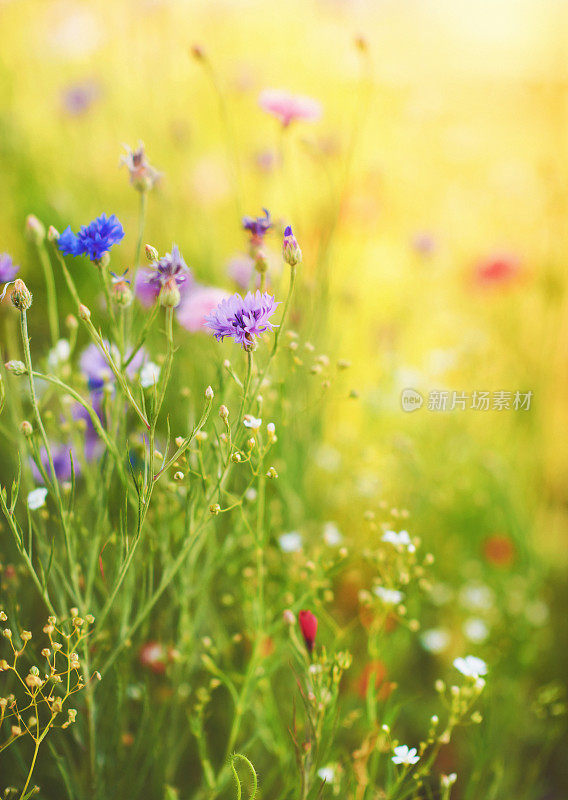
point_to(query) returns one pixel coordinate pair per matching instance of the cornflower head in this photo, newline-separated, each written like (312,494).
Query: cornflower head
(257,227)
(93,240)
(8,270)
(291,252)
(288,107)
(242,318)
(143,176)
(169,274)
(121,289)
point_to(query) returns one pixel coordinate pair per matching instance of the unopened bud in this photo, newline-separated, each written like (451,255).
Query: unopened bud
(224,413)
(52,234)
(35,229)
(26,428)
(209,393)
(151,253)
(84,313)
(170,295)
(271,473)
(215,508)
(16,367)
(71,322)
(21,295)
(291,252)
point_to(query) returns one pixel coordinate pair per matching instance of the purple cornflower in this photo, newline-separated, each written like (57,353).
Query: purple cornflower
(242,318)
(94,239)
(170,274)
(257,227)
(8,270)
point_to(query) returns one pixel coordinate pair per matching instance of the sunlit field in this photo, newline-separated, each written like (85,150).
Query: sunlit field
(283,400)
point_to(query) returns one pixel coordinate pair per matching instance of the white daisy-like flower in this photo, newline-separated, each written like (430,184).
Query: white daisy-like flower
(252,422)
(400,539)
(471,666)
(403,754)
(435,640)
(389,596)
(290,542)
(36,498)
(149,375)
(327,774)
(331,534)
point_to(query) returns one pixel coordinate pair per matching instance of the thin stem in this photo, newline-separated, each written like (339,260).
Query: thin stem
(141,222)
(52,314)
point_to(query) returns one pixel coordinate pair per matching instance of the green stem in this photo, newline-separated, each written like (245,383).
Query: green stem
(141,221)
(52,314)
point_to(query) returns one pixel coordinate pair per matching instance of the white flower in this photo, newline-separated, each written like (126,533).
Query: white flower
(435,640)
(36,498)
(331,534)
(271,429)
(327,774)
(405,755)
(475,630)
(471,666)
(252,422)
(401,539)
(290,542)
(149,375)
(389,596)
(59,353)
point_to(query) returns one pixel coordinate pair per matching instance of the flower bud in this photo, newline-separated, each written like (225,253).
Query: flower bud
(35,229)
(16,367)
(291,252)
(308,626)
(209,393)
(84,313)
(21,295)
(214,509)
(170,294)
(52,234)
(26,428)
(151,253)
(71,322)
(224,413)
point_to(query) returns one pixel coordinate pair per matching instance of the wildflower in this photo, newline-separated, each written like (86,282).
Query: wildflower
(94,239)
(288,107)
(327,774)
(121,289)
(389,596)
(21,296)
(145,291)
(142,175)
(401,539)
(405,755)
(77,98)
(170,273)
(308,626)
(291,252)
(154,656)
(331,534)
(475,630)
(62,457)
(242,318)
(197,304)
(258,227)
(252,422)
(149,375)
(435,640)
(8,270)
(36,498)
(471,666)
(290,542)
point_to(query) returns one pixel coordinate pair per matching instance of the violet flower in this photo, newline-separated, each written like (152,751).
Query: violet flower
(243,319)
(8,270)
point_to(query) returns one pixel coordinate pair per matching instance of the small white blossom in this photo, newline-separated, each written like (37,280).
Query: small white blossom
(252,422)
(389,596)
(290,542)
(36,498)
(405,755)
(331,534)
(471,666)
(401,539)
(149,375)
(59,353)
(475,630)
(435,640)
(327,774)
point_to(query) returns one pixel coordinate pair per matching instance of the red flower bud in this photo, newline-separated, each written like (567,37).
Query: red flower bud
(309,627)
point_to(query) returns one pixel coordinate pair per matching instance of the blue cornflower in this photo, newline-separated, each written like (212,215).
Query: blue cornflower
(257,226)
(94,239)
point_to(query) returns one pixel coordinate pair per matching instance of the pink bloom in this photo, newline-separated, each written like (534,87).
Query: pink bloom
(497,269)
(196,304)
(289,107)
(309,627)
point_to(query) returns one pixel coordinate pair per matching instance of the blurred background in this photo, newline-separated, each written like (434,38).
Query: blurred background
(430,201)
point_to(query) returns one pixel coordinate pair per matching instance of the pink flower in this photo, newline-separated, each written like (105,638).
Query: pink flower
(196,304)
(497,269)
(309,627)
(289,107)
